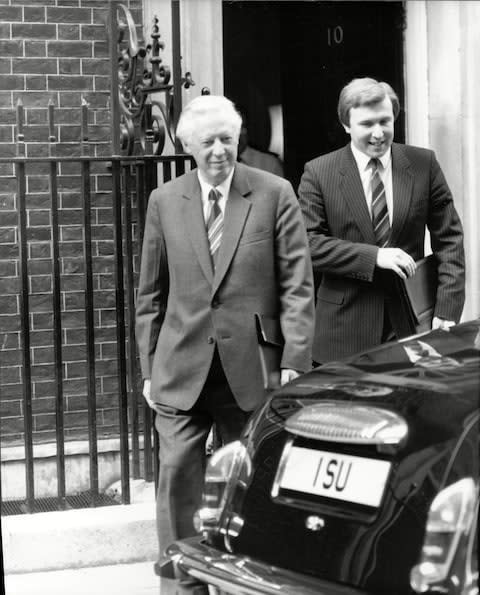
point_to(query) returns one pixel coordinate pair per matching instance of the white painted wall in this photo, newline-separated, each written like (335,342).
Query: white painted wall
(442,77)
(202,45)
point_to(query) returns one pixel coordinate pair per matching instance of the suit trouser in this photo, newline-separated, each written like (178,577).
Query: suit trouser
(182,459)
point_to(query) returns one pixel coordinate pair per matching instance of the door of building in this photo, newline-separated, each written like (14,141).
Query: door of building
(285,63)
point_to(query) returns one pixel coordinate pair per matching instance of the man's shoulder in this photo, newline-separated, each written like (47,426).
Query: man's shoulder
(327,159)
(412,151)
(176,185)
(419,159)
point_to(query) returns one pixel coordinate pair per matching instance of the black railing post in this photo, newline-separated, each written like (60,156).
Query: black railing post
(120,328)
(89,308)
(132,351)
(57,315)
(25,311)
(176,69)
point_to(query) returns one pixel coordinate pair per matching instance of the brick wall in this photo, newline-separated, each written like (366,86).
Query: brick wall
(56,51)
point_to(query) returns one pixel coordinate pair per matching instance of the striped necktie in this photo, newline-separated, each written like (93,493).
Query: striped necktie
(380,221)
(214,224)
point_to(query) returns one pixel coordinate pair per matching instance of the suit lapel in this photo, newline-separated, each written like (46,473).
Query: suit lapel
(195,224)
(352,191)
(402,183)
(236,212)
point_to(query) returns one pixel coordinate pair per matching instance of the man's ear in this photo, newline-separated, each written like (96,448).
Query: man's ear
(186,147)
(347,128)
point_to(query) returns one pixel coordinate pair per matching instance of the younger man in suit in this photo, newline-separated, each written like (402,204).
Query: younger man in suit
(221,243)
(366,207)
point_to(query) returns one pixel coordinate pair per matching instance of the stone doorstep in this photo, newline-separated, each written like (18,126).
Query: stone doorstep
(79,538)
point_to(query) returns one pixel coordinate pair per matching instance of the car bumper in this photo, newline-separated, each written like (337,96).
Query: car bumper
(239,575)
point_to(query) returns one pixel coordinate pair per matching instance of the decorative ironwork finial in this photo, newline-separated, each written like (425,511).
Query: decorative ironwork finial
(142,79)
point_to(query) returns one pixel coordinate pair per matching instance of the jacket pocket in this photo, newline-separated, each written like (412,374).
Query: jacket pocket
(258,236)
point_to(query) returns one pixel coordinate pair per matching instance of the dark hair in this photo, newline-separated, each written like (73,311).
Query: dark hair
(364,91)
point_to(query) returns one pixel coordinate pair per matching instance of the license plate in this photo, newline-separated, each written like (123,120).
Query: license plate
(338,476)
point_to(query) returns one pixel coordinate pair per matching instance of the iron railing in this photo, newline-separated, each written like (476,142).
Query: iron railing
(131,180)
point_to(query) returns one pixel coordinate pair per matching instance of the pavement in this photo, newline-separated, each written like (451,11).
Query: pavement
(118,579)
(108,550)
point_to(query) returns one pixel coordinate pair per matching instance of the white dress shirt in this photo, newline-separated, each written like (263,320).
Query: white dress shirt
(385,172)
(223,188)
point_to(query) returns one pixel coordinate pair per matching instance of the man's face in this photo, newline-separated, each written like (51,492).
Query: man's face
(371,128)
(214,145)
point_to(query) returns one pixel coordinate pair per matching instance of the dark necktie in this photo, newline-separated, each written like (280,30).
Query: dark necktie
(381,224)
(214,224)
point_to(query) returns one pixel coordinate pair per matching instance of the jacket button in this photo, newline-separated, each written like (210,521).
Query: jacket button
(211,340)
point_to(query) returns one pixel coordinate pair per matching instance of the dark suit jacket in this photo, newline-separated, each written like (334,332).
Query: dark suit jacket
(263,266)
(351,296)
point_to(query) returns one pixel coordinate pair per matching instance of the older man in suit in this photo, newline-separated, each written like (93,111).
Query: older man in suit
(366,207)
(221,243)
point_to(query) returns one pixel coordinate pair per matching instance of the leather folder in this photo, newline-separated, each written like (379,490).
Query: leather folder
(270,348)
(414,309)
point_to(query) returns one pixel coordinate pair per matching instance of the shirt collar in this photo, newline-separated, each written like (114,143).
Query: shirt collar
(223,188)
(363,160)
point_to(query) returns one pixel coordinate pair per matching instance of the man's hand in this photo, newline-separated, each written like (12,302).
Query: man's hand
(397,260)
(146,392)
(286,375)
(440,323)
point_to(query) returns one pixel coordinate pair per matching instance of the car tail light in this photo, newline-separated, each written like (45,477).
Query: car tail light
(228,467)
(346,422)
(450,521)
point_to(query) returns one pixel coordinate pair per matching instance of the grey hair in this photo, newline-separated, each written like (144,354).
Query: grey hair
(364,91)
(205,104)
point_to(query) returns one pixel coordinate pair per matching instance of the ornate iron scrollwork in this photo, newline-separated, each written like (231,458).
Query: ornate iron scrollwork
(145,93)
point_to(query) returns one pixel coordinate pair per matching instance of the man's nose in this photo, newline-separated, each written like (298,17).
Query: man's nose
(377,131)
(218,147)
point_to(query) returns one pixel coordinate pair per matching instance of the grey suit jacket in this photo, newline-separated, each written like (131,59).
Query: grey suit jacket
(184,309)
(351,296)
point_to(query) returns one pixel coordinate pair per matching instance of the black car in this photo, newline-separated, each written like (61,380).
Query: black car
(361,476)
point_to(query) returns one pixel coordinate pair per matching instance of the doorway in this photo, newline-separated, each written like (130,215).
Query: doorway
(285,63)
